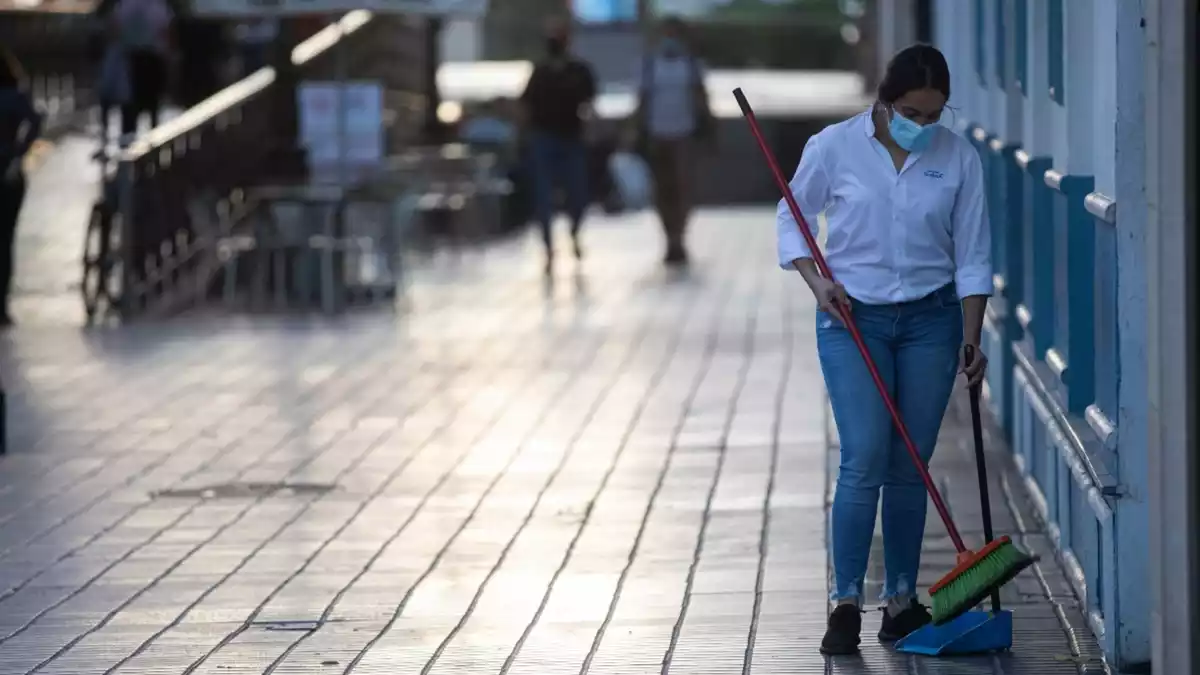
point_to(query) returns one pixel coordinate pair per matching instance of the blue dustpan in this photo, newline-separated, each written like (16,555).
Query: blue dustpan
(975,632)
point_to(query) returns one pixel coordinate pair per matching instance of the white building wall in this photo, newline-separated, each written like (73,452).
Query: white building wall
(896,28)
(462,40)
(983,110)
(1079,135)
(1103,78)
(1075,133)
(1100,131)
(1129,191)
(1171,339)
(1038,117)
(1013,103)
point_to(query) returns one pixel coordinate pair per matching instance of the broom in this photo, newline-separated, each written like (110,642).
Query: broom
(977,574)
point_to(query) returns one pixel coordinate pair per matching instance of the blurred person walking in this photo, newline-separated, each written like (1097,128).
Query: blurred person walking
(20,126)
(143,31)
(671,125)
(556,103)
(112,80)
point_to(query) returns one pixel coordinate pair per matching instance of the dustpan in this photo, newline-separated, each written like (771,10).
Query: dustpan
(977,631)
(974,632)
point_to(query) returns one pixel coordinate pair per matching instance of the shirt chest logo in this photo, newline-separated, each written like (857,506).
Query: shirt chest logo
(937,175)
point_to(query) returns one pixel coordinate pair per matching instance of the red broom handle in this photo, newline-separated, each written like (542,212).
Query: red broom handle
(819,259)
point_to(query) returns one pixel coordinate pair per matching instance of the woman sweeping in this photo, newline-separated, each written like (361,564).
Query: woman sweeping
(909,243)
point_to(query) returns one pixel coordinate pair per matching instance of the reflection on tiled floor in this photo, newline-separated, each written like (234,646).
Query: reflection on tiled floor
(622,472)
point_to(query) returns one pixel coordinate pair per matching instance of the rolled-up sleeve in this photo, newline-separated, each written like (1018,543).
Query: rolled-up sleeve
(972,233)
(810,187)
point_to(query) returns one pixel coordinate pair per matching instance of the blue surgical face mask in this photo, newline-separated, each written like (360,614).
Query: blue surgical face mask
(908,134)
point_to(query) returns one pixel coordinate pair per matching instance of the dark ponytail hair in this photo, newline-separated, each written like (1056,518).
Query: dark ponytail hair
(919,66)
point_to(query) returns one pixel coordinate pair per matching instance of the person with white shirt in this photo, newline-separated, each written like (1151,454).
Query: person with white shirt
(909,245)
(672,119)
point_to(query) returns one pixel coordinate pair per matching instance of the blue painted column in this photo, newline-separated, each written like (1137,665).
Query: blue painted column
(1004,184)
(1036,312)
(1008,229)
(1072,356)
(1131,633)
(998,318)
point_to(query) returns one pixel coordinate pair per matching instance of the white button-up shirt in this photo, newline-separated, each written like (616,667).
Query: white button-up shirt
(893,236)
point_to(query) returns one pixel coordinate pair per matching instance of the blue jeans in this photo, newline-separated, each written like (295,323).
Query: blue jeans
(558,161)
(915,346)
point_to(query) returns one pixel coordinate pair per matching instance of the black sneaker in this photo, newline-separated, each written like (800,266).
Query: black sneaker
(676,256)
(913,617)
(841,637)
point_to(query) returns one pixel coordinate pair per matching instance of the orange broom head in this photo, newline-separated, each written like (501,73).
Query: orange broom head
(966,560)
(976,576)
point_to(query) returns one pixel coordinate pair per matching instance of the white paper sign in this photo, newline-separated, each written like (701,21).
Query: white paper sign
(355,137)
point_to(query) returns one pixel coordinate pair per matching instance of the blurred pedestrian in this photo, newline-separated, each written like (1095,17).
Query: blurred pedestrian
(672,124)
(556,103)
(112,80)
(143,31)
(20,125)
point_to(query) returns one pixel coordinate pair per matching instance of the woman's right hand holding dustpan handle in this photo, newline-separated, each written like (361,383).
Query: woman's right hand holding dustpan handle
(972,363)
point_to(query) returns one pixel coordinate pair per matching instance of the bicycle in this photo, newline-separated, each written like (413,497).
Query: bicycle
(102,264)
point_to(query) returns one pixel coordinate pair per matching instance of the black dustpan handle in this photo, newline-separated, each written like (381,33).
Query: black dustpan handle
(981,463)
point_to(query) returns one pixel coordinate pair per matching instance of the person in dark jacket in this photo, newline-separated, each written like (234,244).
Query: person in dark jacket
(20,125)
(144,30)
(112,77)
(555,105)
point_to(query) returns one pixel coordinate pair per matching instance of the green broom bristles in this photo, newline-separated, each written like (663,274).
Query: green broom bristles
(975,579)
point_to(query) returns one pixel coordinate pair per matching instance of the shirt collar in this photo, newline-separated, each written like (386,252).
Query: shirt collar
(869,121)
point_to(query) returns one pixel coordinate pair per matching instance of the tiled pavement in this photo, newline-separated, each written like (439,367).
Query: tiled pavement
(622,472)
(63,185)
